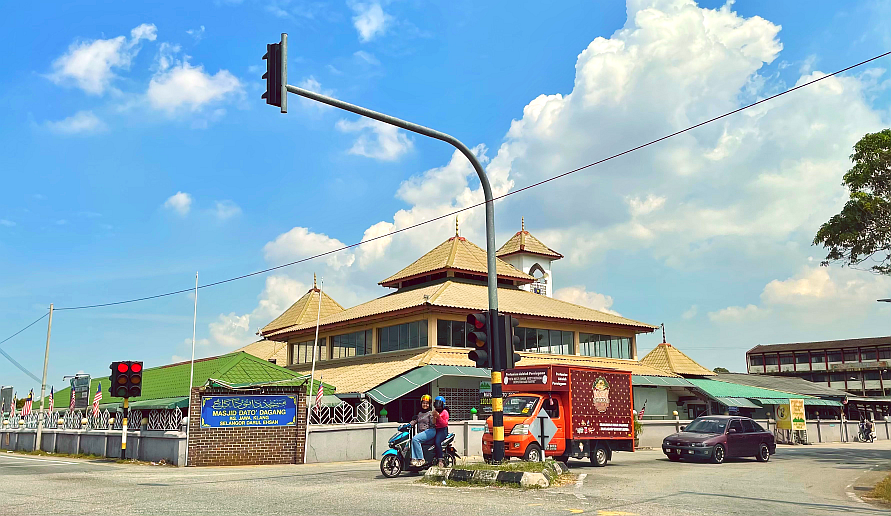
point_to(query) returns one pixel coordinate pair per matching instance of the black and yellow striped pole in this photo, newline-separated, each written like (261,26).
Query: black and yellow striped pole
(124,428)
(497,393)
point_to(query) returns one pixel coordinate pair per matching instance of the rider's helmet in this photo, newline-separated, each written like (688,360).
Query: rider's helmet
(426,398)
(439,403)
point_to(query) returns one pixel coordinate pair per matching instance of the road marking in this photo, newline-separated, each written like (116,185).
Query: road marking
(575,511)
(578,485)
(36,460)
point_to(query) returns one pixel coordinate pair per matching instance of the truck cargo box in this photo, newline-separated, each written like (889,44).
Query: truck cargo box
(599,401)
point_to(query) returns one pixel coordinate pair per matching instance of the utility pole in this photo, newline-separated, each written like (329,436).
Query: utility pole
(277,80)
(40,416)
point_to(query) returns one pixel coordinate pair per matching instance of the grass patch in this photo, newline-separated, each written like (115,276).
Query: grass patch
(882,491)
(526,467)
(42,453)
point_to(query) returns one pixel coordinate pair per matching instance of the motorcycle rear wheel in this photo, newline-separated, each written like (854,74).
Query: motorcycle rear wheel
(391,465)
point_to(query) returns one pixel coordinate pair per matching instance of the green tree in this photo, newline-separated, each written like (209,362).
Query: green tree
(862,231)
(721,370)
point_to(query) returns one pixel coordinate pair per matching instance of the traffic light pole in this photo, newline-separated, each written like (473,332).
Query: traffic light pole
(497,363)
(125,415)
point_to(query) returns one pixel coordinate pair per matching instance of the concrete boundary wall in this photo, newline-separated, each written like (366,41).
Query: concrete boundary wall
(145,445)
(337,443)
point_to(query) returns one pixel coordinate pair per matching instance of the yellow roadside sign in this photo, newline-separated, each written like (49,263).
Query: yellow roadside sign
(784,421)
(796,413)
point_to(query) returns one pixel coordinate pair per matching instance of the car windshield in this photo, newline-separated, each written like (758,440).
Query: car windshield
(520,405)
(706,426)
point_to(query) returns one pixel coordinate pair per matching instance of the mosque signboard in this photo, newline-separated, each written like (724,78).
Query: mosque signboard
(248,411)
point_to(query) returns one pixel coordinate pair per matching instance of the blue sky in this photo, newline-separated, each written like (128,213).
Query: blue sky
(136,151)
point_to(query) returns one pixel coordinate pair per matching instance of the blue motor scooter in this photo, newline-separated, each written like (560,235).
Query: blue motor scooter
(398,457)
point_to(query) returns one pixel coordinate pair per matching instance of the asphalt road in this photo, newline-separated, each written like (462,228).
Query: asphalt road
(802,480)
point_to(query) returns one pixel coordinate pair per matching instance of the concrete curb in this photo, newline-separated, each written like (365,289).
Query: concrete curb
(492,476)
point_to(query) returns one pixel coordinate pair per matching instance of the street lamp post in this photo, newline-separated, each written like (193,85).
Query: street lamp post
(497,359)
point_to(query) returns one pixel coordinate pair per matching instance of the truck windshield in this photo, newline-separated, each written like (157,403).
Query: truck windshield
(520,405)
(706,426)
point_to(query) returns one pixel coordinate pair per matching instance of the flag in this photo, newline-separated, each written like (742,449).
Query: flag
(642,409)
(71,405)
(51,403)
(27,408)
(96,399)
(15,402)
(319,395)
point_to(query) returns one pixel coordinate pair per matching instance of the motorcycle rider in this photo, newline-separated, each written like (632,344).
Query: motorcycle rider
(865,430)
(426,431)
(441,423)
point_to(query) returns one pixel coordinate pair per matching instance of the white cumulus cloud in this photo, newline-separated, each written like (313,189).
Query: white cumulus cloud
(180,203)
(370,20)
(376,140)
(225,210)
(301,242)
(82,122)
(183,86)
(89,64)
(578,295)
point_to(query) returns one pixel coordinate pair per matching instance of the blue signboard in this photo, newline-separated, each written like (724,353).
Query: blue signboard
(241,411)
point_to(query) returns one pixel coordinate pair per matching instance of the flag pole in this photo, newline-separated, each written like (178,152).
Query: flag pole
(49,329)
(312,373)
(192,366)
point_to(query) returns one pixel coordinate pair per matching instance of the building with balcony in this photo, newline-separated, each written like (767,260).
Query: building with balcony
(860,367)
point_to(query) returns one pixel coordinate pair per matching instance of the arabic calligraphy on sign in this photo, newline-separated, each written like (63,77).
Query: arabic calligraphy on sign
(244,411)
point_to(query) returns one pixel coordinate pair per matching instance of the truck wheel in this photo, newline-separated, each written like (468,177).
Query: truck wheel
(600,456)
(533,453)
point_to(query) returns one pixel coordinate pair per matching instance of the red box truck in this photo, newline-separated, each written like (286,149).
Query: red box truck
(590,408)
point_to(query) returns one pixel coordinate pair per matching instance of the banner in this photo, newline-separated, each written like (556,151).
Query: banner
(796,412)
(784,421)
(243,411)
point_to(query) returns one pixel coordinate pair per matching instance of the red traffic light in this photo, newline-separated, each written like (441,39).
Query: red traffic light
(136,367)
(122,367)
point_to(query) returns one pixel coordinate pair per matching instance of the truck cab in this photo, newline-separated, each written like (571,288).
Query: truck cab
(589,408)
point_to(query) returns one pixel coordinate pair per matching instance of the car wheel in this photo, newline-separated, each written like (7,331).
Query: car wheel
(600,456)
(763,453)
(718,454)
(533,453)
(391,465)
(674,457)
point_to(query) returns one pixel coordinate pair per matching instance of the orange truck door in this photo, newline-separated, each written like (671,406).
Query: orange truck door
(554,410)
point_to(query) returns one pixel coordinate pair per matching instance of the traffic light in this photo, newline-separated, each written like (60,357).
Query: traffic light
(478,338)
(510,342)
(276,75)
(126,379)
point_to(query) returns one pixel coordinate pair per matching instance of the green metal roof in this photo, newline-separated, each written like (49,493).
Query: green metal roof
(719,389)
(172,381)
(405,383)
(807,401)
(660,381)
(737,402)
(160,403)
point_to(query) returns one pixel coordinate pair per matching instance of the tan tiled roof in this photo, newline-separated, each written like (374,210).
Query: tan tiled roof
(670,358)
(267,349)
(361,374)
(471,296)
(304,310)
(458,254)
(524,242)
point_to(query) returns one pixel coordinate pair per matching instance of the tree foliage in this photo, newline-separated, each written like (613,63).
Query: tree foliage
(862,231)
(721,370)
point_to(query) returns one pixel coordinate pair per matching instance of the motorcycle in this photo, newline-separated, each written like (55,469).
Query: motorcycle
(398,457)
(867,433)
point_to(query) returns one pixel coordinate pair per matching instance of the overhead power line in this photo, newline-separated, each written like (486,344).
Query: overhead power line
(14,362)
(460,210)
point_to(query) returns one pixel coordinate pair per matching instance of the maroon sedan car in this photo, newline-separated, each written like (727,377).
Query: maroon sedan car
(716,438)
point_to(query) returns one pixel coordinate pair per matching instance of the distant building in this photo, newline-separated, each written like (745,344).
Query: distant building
(858,366)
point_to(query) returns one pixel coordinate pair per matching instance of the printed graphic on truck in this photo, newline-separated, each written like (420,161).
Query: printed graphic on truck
(601,404)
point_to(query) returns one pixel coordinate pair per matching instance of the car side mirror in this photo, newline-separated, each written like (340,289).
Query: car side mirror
(683,427)
(732,431)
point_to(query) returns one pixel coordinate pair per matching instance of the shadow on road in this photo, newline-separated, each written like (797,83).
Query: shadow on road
(843,454)
(838,509)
